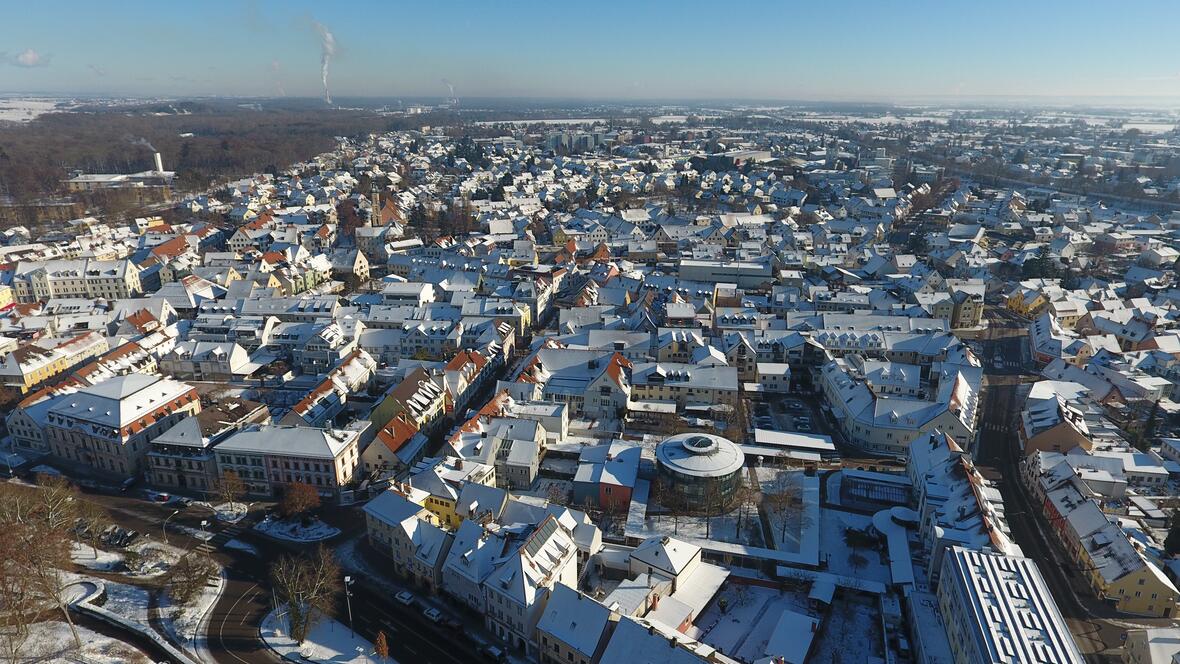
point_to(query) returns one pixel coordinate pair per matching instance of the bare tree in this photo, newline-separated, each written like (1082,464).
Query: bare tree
(712,506)
(785,497)
(746,497)
(306,586)
(555,494)
(92,521)
(188,576)
(299,498)
(230,487)
(17,595)
(38,524)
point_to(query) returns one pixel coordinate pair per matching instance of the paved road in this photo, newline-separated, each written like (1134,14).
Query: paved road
(1096,627)
(233,623)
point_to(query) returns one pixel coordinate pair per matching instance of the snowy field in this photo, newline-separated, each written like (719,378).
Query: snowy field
(329,641)
(24,110)
(130,602)
(295,530)
(744,629)
(51,642)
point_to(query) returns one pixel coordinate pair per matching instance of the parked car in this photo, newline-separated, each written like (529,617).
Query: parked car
(795,405)
(764,423)
(405,597)
(492,653)
(804,427)
(433,615)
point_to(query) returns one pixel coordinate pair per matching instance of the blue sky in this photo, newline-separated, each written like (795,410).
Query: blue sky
(637,49)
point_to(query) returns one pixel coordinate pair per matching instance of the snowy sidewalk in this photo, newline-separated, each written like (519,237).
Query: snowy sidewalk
(329,641)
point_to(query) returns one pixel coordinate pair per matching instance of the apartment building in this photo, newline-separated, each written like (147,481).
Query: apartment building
(410,537)
(41,280)
(108,427)
(516,593)
(998,608)
(35,363)
(268,457)
(183,458)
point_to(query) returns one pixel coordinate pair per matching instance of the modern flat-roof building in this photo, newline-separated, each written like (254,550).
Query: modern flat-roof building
(997,608)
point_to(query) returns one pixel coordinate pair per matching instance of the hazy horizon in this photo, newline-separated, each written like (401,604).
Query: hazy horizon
(856,51)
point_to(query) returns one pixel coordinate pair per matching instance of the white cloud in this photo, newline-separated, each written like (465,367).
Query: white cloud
(29,58)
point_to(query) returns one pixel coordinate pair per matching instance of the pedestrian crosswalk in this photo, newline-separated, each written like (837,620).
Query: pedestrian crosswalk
(994,426)
(224,535)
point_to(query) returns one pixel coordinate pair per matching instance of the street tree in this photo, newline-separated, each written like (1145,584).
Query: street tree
(299,498)
(305,585)
(381,646)
(188,576)
(230,487)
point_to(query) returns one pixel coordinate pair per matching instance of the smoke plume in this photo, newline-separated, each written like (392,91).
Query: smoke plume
(274,69)
(327,50)
(449,87)
(141,141)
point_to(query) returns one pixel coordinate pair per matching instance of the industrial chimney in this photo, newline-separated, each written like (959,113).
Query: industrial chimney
(159,162)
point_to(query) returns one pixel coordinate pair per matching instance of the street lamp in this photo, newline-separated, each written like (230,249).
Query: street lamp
(348,602)
(164,527)
(204,522)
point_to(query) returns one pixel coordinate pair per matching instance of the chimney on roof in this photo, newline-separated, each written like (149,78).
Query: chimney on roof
(159,162)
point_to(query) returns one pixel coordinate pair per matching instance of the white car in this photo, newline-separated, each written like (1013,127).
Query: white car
(433,615)
(405,597)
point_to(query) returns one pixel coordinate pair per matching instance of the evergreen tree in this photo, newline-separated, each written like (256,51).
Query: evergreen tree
(1172,543)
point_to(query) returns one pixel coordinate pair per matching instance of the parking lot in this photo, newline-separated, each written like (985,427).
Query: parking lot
(787,413)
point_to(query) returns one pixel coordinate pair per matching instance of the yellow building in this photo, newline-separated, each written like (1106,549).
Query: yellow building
(1143,590)
(1026,301)
(31,365)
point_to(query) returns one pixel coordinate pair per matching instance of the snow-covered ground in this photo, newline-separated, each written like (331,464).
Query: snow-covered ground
(155,558)
(87,556)
(720,528)
(845,560)
(52,642)
(296,531)
(130,602)
(24,110)
(329,641)
(752,612)
(182,622)
(852,633)
(227,512)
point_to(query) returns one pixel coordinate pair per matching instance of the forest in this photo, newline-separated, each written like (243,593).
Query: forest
(202,141)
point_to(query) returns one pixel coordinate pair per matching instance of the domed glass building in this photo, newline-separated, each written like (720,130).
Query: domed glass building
(699,472)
